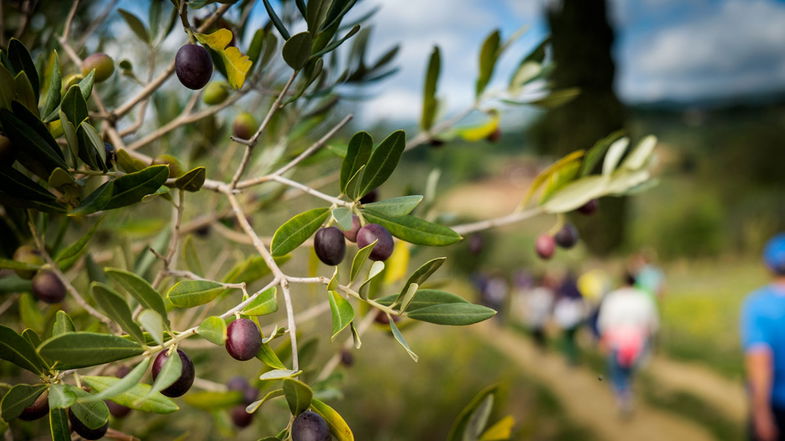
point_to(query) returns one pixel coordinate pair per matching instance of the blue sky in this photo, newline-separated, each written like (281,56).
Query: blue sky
(665,49)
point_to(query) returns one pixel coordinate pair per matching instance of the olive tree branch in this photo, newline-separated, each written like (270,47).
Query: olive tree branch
(95,24)
(251,143)
(185,118)
(279,277)
(8,302)
(305,154)
(70,19)
(310,191)
(170,259)
(346,289)
(425,136)
(511,218)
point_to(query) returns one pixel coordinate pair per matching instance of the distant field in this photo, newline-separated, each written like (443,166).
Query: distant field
(701,311)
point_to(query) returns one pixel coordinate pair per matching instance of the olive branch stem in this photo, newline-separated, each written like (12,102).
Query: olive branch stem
(251,142)
(514,217)
(302,156)
(332,363)
(170,259)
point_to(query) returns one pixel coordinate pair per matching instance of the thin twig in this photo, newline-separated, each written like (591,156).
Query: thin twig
(95,24)
(280,277)
(185,118)
(251,143)
(170,260)
(497,222)
(310,191)
(305,154)
(426,136)
(70,19)
(332,363)
(8,302)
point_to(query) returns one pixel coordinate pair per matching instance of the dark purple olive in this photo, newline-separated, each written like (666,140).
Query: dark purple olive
(203,231)
(309,426)
(330,245)
(545,246)
(48,288)
(193,66)
(589,208)
(39,408)
(240,417)
(375,232)
(476,243)
(182,384)
(567,237)
(382,318)
(117,410)
(240,384)
(122,371)
(371,196)
(7,152)
(351,235)
(111,154)
(495,136)
(347,358)
(243,339)
(84,431)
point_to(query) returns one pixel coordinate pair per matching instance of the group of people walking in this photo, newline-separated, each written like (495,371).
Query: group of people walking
(621,321)
(624,322)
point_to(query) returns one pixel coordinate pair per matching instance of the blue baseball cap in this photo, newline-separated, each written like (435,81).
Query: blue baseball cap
(774,254)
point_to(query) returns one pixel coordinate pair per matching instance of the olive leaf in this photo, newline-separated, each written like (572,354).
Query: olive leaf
(430,103)
(297,50)
(236,64)
(137,397)
(83,349)
(297,230)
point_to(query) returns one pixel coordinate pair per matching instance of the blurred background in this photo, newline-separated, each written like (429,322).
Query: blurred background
(707,77)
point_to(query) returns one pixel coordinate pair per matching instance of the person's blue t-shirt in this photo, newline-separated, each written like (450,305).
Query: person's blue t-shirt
(763,326)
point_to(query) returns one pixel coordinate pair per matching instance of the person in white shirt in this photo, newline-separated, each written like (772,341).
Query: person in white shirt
(627,320)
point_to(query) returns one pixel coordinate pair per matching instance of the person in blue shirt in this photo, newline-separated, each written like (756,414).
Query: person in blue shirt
(763,340)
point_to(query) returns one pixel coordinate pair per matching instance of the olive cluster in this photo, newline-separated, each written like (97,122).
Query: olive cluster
(566,238)
(239,416)
(40,408)
(330,242)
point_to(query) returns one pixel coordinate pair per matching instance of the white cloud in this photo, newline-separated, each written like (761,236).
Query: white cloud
(736,47)
(458,27)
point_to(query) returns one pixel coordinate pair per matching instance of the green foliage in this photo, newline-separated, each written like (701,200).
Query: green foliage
(82,349)
(125,283)
(137,397)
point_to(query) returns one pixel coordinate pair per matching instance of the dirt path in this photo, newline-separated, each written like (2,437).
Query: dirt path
(725,395)
(586,399)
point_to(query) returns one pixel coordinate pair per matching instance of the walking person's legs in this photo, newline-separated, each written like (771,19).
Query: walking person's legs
(621,380)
